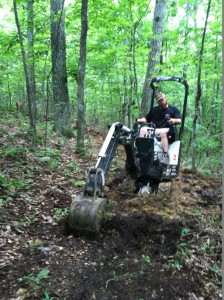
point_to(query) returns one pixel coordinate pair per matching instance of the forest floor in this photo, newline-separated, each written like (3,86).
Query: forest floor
(149,247)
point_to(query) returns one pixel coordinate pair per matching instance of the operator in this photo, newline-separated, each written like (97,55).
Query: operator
(163,116)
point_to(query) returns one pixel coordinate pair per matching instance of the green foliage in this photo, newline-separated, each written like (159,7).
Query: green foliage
(74,167)
(14,153)
(173,264)
(209,148)
(50,152)
(114,168)
(146,260)
(53,164)
(51,158)
(35,243)
(25,221)
(60,214)
(214,268)
(44,273)
(47,296)
(12,184)
(185,230)
(195,213)
(36,281)
(79,183)
(108,215)
(117,56)
(3,181)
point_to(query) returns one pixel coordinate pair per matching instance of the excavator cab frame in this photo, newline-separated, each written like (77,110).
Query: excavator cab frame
(153,85)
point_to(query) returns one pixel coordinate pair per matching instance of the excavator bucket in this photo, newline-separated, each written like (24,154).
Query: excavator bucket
(85,214)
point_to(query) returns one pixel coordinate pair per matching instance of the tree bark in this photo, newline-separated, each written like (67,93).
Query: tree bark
(198,94)
(62,109)
(154,54)
(30,60)
(81,123)
(30,100)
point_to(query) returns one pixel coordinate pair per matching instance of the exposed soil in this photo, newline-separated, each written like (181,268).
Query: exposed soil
(164,246)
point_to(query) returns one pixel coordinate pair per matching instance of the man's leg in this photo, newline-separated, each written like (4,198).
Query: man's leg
(143,132)
(164,141)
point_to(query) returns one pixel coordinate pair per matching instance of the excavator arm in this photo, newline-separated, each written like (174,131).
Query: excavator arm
(86,210)
(96,176)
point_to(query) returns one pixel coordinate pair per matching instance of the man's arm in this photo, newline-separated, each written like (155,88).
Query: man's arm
(140,120)
(174,121)
(177,117)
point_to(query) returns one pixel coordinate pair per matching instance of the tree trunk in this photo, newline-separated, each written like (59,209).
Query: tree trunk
(130,95)
(154,54)
(30,58)
(81,124)
(30,101)
(10,96)
(62,109)
(198,94)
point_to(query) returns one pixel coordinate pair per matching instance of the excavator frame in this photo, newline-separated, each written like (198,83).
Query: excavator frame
(143,154)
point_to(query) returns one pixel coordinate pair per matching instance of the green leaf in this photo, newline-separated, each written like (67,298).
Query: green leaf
(44,159)
(43,273)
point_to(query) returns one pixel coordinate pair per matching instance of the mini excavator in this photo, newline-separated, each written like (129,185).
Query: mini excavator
(143,152)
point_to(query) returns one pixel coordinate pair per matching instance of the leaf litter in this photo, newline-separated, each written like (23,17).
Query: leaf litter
(164,246)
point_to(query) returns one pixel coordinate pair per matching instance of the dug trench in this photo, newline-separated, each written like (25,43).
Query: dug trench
(163,246)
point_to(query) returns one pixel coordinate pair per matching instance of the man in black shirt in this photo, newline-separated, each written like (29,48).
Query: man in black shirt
(163,116)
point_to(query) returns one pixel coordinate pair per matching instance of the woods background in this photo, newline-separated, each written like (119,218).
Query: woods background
(91,62)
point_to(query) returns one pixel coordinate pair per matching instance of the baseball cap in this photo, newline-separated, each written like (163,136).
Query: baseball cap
(159,96)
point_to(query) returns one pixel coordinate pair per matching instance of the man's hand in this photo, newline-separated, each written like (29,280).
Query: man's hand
(171,121)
